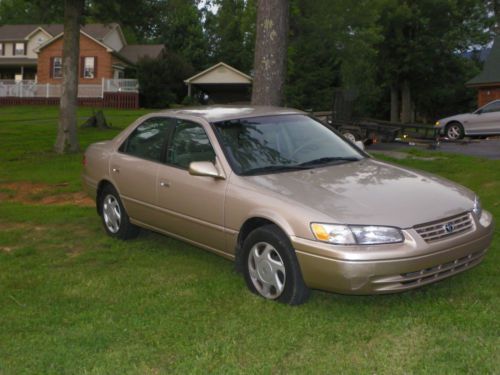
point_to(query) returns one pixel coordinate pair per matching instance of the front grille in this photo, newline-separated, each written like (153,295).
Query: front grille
(441,271)
(445,228)
(414,279)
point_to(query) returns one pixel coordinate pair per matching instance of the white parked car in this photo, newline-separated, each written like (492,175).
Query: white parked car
(484,121)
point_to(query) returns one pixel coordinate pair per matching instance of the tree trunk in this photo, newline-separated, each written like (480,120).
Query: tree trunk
(270,52)
(394,103)
(406,103)
(67,138)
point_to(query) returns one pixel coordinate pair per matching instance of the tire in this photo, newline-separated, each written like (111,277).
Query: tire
(115,219)
(271,268)
(351,136)
(454,131)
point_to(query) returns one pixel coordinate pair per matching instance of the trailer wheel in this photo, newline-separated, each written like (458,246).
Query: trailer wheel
(350,136)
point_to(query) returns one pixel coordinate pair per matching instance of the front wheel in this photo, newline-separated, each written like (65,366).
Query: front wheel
(454,131)
(271,268)
(114,217)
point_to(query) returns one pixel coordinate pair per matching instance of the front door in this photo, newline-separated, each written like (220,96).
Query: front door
(193,206)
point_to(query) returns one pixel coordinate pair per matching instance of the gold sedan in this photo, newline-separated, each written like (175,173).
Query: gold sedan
(292,202)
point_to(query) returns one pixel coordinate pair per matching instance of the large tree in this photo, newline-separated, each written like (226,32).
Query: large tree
(270,52)
(331,46)
(67,138)
(422,42)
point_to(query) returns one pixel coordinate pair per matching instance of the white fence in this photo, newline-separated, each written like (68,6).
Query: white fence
(32,89)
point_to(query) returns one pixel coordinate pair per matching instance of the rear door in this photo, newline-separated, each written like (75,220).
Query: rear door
(134,167)
(192,206)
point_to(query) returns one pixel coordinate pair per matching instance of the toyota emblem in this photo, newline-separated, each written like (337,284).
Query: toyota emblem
(449,228)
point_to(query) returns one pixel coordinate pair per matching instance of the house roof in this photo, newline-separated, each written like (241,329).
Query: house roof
(17,61)
(220,73)
(50,41)
(135,52)
(21,32)
(491,68)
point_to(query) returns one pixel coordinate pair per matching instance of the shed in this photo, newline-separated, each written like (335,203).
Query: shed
(222,83)
(488,81)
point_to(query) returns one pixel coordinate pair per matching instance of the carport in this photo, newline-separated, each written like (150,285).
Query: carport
(222,83)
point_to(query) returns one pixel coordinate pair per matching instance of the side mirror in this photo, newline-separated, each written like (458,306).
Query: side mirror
(360,145)
(204,168)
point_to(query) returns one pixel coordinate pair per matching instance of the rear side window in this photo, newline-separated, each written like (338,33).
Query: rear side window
(189,143)
(148,139)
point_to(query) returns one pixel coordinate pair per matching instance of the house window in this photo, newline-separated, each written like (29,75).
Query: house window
(57,67)
(19,49)
(89,67)
(1,50)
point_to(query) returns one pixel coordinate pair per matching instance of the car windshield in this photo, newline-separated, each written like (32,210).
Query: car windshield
(279,143)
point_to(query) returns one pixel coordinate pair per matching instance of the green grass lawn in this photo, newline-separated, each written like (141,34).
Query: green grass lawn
(73,300)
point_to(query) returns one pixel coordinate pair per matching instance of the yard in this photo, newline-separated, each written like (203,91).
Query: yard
(73,300)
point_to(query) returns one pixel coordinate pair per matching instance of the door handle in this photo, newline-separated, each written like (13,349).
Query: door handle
(164,184)
(116,170)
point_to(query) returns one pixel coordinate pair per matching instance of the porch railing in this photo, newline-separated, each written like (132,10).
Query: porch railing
(32,89)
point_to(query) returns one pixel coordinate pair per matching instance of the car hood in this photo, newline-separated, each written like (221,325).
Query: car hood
(369,192)
(460,118)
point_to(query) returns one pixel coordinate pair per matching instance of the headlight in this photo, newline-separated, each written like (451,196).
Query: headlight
(477,209)
(356,234)
(437,123)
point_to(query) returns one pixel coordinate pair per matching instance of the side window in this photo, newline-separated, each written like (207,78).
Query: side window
(189,143)
(493,107)
(148,139)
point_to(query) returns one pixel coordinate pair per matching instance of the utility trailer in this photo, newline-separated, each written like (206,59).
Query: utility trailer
(374,131)
(370,130)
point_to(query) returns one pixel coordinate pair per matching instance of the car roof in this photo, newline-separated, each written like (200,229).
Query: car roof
(230,112)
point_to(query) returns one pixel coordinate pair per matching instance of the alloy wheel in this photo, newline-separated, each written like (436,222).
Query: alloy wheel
(267,270)
(111,213)
(454,132)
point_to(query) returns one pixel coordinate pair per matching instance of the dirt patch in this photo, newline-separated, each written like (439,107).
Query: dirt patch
(45,194)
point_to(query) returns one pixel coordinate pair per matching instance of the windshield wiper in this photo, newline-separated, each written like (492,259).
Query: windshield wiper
(328,160)
(296,167)
(273,168)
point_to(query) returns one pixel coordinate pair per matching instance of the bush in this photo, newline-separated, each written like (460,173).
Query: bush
(161,80)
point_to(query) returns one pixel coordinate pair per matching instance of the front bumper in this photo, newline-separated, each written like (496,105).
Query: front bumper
(389,268)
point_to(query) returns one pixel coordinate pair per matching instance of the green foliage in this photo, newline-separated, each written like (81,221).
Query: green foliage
(161,80)
(331,45)
(364,46)
(189,100)
(181,30)
(139,18)
(231,33)
(422,42)
(31,11)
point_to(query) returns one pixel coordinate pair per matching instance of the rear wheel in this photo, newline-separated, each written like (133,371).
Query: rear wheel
(454,131)
(271,268)
(114,216)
